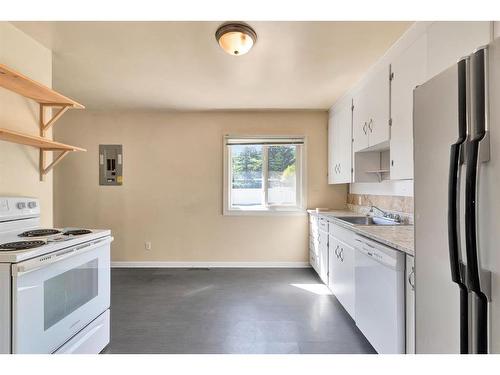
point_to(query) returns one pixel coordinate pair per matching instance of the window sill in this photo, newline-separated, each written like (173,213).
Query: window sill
(265,212)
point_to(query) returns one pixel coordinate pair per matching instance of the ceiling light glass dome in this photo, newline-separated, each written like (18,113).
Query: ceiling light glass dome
(236,38)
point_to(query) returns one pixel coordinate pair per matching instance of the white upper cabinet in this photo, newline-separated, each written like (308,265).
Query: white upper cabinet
(376,91)
(371,111)
(345,146)
(409,70)
(340,143)
(371,125)
(447,42)
(359,121)
(382,118)
(332,149)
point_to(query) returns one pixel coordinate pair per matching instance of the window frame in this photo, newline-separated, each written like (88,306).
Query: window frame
(266,209)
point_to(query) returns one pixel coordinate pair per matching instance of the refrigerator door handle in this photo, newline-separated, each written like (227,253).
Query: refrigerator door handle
(478,133)
(454,205)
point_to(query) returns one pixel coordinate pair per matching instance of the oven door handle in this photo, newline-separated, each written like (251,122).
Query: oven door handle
(30,265)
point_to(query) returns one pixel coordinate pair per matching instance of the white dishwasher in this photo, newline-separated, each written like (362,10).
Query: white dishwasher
(380,295)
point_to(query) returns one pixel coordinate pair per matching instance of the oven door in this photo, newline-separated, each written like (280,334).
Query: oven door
(56,295)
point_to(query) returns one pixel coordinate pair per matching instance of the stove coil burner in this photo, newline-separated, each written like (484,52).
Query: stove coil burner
(77,232)
(39,233)
(21,245)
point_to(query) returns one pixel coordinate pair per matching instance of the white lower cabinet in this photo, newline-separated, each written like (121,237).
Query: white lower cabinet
(323,256)
(314,242)
(410,304)
(333,253)
(313,261)
(314,252)
(341,273)
(318,246)
(333,263)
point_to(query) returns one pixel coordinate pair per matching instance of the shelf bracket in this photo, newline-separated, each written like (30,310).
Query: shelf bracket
(46,126)
(45,170)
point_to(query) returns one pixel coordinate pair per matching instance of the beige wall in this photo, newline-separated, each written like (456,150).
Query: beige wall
(19,164)
(172,192)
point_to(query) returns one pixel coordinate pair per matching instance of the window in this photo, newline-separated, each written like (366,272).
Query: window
(263,174)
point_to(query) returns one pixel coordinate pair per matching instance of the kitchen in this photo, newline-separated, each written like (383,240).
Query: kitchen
(167,189)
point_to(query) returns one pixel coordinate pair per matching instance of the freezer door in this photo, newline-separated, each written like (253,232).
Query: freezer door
(477,138)
(488,198)
(436,295)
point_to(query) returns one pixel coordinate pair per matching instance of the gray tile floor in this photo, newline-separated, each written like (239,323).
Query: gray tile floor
(227,311)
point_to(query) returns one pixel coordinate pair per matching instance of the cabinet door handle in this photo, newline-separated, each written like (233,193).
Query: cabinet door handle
(370,125)
(336,168)
(336,249)
(412,283)
(341,254)
(364,127)
(339,168)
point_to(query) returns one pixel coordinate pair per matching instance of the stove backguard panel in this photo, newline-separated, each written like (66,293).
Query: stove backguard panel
(110,165)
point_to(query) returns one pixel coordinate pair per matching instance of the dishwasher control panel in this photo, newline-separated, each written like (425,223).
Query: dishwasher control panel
(110,165)
(380,253)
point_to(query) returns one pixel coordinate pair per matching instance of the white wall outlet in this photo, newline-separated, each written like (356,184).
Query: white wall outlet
(147,245)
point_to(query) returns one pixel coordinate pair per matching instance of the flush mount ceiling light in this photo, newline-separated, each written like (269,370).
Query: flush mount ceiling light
(236,38)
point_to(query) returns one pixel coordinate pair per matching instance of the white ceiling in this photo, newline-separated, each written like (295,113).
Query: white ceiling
(179,65)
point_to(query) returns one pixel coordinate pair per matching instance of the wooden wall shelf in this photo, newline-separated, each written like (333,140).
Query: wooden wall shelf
(34,141)
(18,83)
(45,97)
(41,143)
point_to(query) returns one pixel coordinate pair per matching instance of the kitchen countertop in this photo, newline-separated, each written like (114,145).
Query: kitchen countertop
(399,237)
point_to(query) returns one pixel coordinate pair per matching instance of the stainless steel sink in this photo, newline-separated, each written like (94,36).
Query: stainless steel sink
(368,220)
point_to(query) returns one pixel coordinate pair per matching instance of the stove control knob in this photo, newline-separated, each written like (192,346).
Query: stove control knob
(32,204)
(21,205)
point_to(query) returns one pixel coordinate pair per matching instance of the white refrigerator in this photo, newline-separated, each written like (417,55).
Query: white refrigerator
(457,207)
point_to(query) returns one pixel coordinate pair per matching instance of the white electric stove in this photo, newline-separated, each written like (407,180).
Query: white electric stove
(54,283)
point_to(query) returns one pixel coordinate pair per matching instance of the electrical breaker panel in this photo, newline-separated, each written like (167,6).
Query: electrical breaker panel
(110,165)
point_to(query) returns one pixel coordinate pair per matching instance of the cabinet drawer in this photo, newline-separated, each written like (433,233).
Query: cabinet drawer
(341,233)
(323,224)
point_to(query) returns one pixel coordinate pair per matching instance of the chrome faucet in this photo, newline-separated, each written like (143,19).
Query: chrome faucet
(386,214)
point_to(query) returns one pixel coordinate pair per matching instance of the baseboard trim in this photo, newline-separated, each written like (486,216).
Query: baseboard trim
(121,264)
